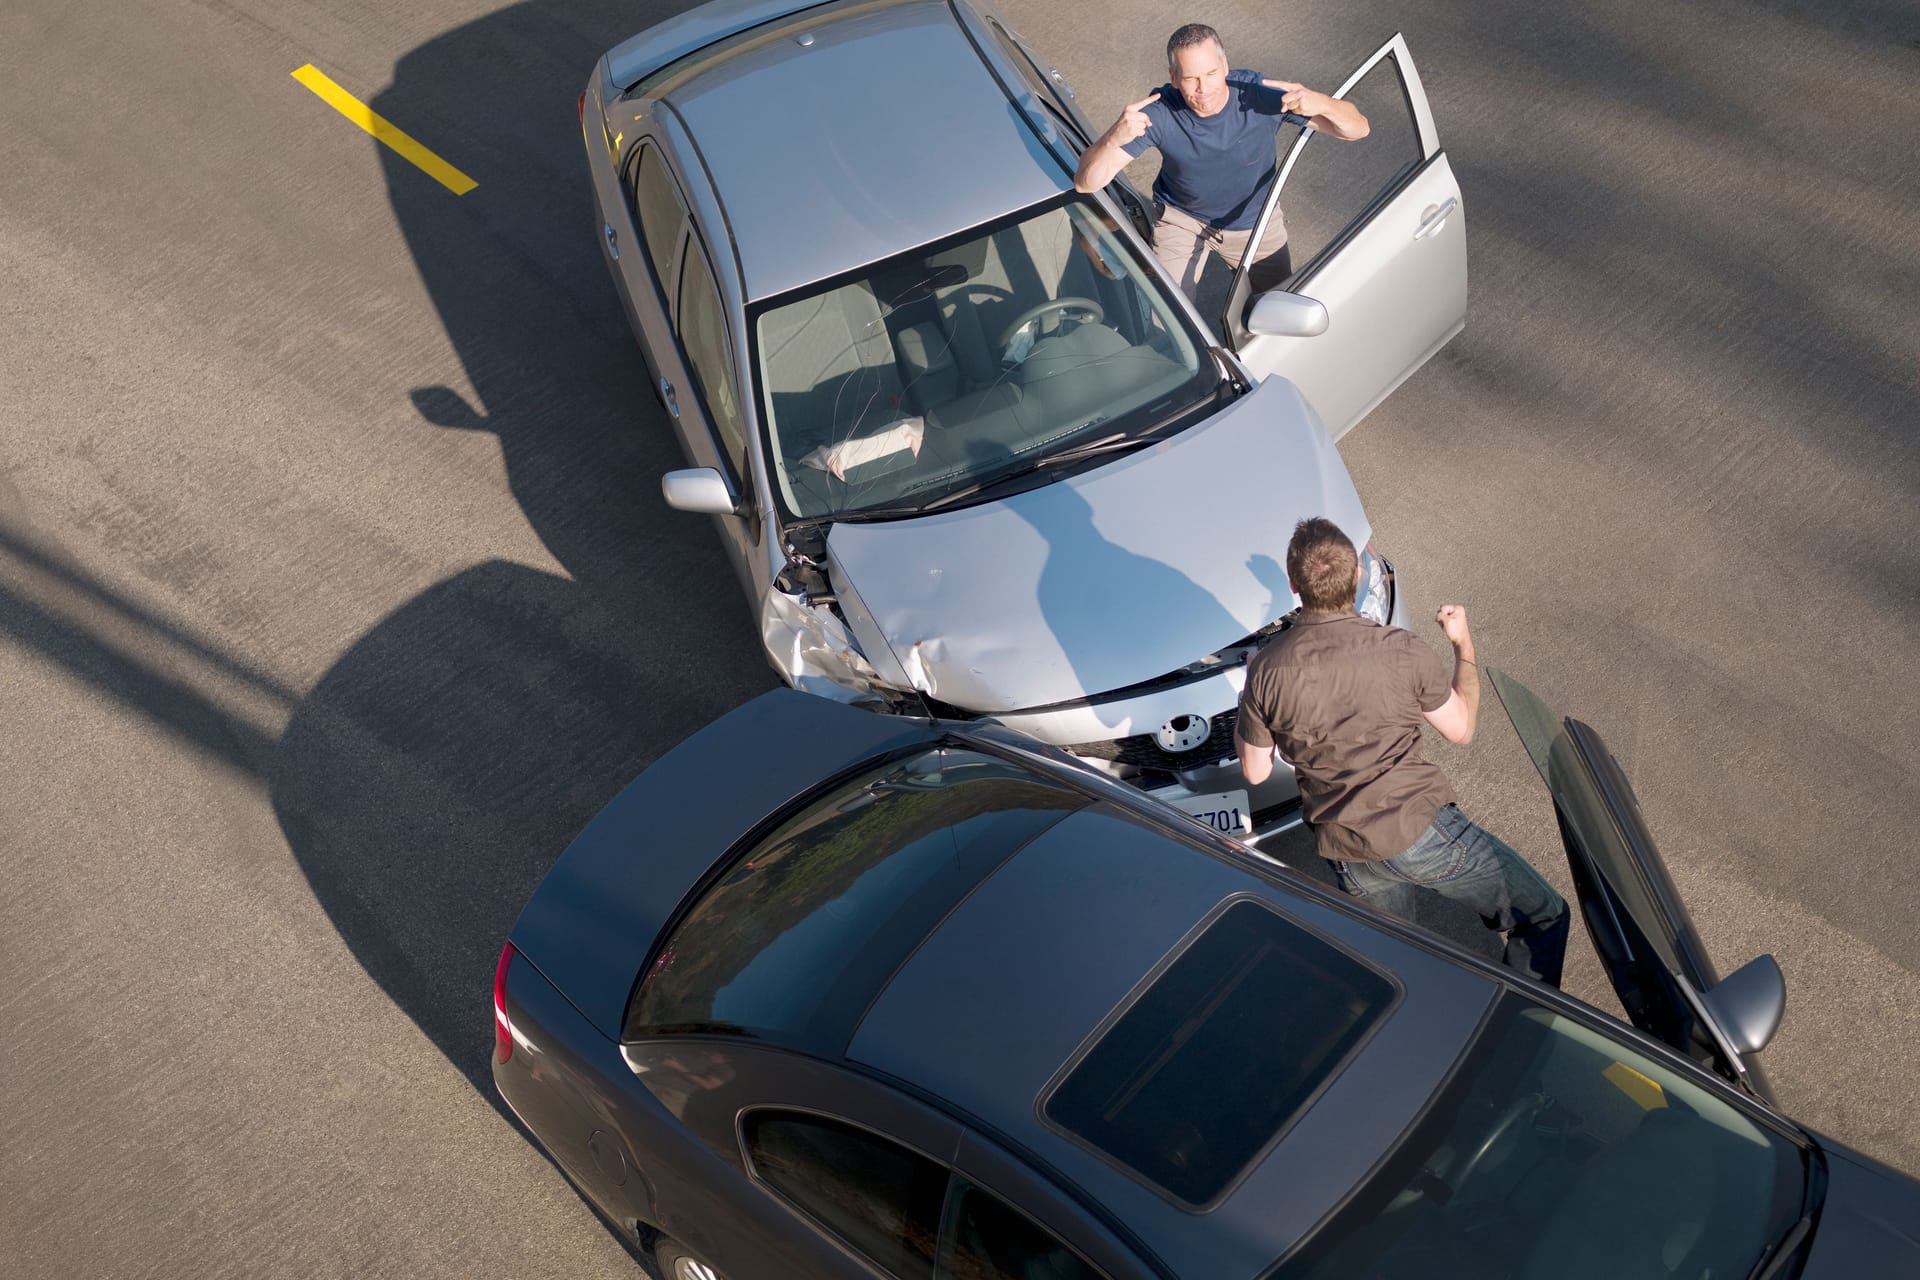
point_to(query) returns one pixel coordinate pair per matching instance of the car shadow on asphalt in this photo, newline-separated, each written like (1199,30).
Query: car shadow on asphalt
(432,775)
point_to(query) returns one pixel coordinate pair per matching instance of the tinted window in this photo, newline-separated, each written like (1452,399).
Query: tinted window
(985,1240)
(881,1200)
(801,933)
(656,203)
(704,335)
(1594,1161)
(1220,1053)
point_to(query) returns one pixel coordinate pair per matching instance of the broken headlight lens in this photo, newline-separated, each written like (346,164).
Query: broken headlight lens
(1374,599)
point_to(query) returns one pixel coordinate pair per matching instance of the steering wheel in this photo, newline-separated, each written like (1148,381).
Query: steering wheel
(1027,317)
(1510,1124)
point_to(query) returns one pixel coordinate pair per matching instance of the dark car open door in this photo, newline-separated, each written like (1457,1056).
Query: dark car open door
(1658,964)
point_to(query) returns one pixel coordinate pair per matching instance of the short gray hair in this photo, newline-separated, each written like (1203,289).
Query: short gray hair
(1192,34)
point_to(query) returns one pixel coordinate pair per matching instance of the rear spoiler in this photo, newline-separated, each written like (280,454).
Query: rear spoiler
(634,59)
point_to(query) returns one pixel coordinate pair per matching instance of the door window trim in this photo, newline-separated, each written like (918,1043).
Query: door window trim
(1413,97)
(659,272)
(736,472)
(827,1119)
(958,1183)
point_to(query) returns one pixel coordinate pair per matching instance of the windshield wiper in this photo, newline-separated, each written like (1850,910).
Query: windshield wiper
(1117,443)
(1773,1262)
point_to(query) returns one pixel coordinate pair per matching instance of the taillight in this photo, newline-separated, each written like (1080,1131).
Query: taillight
(581,108)
(502,1029)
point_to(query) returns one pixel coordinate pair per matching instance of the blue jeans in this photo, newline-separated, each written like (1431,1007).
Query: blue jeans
(1458,860)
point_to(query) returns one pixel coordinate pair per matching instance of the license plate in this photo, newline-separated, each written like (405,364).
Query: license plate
(1224,811)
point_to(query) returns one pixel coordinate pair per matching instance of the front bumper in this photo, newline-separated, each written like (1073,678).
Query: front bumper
(1125,737)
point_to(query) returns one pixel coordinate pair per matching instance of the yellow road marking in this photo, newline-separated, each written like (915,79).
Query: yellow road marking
(383,130)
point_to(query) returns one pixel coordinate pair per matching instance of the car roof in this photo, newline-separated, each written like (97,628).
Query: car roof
(884,131)
(1036,962)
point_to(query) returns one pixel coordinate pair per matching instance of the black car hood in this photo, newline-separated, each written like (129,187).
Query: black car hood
(1870,1223)
(590,924)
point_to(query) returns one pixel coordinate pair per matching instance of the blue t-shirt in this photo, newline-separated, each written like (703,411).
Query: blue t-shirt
(1218,168)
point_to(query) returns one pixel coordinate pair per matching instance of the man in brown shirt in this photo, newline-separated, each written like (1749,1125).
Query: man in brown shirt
(1342,699)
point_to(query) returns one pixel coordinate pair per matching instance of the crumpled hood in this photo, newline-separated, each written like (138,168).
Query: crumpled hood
(1109,578)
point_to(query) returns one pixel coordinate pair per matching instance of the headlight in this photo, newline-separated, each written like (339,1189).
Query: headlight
(1374,599)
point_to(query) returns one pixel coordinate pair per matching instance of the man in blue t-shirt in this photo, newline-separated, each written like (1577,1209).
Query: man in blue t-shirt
(1216,131)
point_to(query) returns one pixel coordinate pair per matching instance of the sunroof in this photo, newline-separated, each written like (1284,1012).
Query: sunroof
(1221,1053)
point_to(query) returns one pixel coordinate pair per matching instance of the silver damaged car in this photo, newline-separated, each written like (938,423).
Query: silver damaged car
(970,451)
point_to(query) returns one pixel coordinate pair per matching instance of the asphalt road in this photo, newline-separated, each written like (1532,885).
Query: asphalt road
(336,592)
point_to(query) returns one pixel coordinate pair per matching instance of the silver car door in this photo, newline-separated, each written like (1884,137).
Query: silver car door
(711,416)
(606,142)
(649,263)
(1378,239)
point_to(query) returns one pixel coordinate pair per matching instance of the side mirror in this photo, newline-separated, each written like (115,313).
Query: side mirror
(1749,1003)
(700,490)
(1280,314)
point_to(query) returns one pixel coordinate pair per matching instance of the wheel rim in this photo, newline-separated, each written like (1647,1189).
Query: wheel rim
(685,1268)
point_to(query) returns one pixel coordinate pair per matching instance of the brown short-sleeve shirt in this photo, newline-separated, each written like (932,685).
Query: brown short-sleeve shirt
(1343,697)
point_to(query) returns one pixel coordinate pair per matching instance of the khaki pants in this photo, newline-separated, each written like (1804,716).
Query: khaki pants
(1182,242)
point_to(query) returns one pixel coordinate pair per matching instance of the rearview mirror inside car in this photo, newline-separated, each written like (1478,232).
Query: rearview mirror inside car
(1749,1003)
(1280,314)
(700,490)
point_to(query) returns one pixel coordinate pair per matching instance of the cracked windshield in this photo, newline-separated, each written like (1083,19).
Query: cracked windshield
(940,372)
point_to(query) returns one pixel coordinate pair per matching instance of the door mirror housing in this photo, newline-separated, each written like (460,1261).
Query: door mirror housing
(1749,1003)
(1280,314)
(700,490)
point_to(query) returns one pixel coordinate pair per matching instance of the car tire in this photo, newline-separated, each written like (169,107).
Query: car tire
(677,1262)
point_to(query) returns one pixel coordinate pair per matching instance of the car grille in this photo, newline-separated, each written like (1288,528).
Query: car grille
(1142,752)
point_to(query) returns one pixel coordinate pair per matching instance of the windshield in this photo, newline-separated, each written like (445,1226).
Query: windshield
(1562,1154)
(942,368)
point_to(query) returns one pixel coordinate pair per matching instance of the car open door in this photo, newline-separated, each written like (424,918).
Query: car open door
(1378,240)
(1658,964)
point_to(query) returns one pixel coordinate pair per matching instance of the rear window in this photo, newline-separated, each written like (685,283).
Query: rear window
(1220,1053)
(800,934)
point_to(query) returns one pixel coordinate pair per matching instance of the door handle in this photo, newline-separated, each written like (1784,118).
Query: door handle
(613,240)
(667,398)
(1437,218)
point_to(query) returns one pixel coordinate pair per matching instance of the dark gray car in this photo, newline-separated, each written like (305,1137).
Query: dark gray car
(924,999)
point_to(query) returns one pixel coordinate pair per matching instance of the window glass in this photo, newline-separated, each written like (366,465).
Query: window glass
(882,1200)
(1221,1052)
(657,204)
(704,335)
(1573,1157)
(985,1240)
(1334,183)
(949,367)
(799,935)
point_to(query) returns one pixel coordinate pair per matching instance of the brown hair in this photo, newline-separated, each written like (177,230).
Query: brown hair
(1322,565)
(1188,36)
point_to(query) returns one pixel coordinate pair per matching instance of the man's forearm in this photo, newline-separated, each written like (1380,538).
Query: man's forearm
(1099,164)
(1466,682)
(1343,120)
(1256,763)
